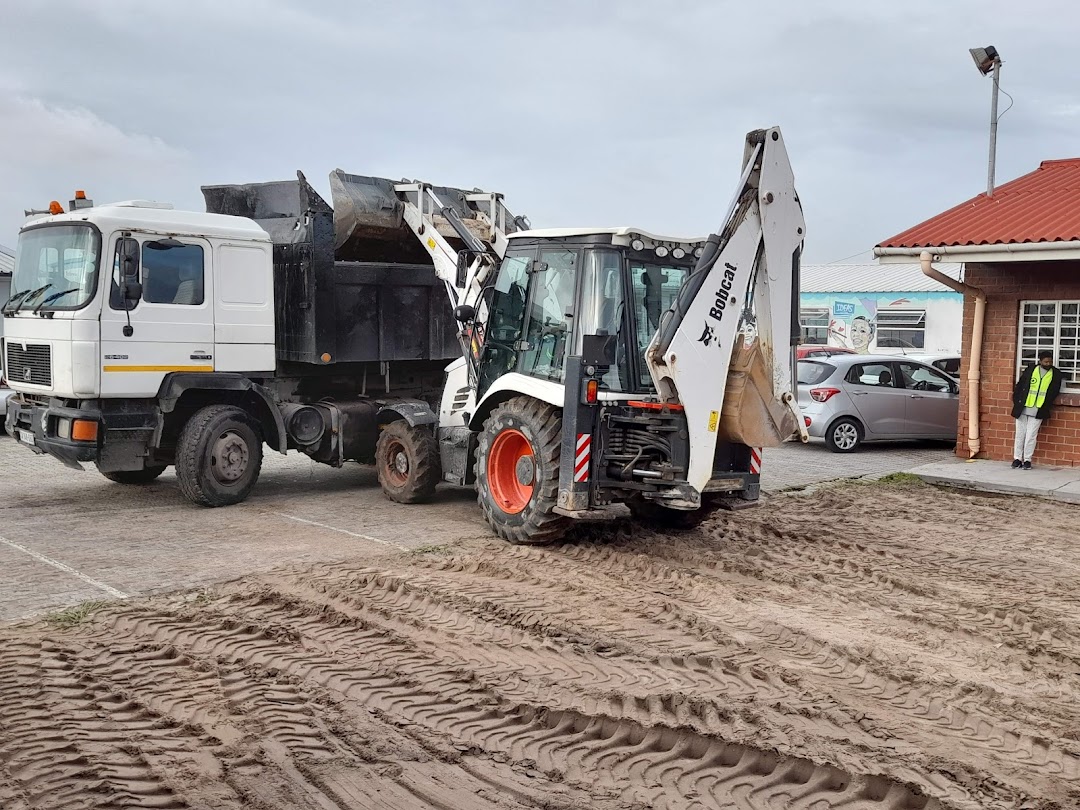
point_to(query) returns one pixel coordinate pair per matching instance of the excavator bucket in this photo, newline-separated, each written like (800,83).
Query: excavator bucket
(751,414)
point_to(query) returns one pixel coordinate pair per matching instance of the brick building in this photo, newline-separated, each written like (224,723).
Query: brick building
(1021,249)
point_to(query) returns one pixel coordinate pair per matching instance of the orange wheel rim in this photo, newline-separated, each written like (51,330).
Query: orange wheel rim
(511,471)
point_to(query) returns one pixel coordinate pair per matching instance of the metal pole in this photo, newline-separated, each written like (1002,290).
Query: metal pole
(993,131)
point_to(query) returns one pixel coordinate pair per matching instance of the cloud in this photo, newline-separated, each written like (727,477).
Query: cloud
(581,112)
(51,150)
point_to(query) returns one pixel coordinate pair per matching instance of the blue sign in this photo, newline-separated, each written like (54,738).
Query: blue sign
(842,310)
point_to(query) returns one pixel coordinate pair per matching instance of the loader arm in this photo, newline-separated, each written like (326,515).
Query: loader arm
(724,348)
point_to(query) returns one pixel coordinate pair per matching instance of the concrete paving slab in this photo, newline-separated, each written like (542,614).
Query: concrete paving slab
(1058,483)
(1070,493)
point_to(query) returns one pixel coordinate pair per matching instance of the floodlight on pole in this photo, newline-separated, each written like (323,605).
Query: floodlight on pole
(988,61)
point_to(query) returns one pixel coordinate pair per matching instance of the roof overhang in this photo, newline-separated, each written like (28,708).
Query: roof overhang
(959,254)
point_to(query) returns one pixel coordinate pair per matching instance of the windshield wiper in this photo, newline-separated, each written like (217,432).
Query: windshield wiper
(53,297)
(28,298)
(16,298)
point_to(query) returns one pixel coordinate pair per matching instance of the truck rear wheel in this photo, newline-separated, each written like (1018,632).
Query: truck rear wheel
(143,476)
(407,461)
(218,456)
(517,472)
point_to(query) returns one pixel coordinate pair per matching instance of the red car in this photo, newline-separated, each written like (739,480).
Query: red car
(808,351)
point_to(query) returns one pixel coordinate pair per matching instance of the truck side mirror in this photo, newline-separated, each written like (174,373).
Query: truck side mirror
(128,249)
(130,286)
(131,290)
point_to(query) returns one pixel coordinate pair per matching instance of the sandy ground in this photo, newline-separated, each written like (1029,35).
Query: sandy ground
(867,646)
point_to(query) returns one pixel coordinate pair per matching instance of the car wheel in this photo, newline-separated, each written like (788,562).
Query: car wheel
(844,435)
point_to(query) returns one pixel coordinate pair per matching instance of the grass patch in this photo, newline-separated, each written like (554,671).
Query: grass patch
(900,478)
(74,616)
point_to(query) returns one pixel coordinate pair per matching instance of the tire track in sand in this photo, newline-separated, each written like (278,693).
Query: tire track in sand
(644,763)
(936,712)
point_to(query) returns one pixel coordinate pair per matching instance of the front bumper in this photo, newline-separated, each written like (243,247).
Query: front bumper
(126,430)
(34,424)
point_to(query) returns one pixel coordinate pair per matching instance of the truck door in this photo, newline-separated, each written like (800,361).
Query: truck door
(172,325)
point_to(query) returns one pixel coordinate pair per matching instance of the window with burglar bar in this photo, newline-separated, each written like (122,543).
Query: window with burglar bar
(1053,325)
(901,328)
(815,326)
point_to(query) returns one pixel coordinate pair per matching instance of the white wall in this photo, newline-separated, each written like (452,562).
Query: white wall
(944,317)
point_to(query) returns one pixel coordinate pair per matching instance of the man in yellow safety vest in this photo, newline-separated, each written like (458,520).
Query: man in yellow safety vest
(1033,396)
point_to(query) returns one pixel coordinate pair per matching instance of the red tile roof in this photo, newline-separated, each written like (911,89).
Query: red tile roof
(1043,206)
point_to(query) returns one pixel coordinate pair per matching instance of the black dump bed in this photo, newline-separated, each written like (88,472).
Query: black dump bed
(351,284)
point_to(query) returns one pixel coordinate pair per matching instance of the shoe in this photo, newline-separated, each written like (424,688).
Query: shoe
(1027,465)
(1017,463)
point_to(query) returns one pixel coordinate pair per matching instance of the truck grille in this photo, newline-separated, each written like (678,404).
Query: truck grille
(30,365)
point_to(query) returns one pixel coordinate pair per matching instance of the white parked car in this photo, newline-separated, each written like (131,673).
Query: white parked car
(949,363)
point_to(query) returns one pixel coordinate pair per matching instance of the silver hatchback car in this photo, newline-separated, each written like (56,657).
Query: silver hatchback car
(850,399)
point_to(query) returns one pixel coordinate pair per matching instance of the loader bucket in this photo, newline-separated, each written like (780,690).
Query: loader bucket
(369,217)
(753,413)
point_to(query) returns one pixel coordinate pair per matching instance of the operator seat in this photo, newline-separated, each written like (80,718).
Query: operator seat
(186,291)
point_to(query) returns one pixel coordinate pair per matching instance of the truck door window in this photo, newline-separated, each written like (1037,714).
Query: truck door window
(172,274)
(551,303)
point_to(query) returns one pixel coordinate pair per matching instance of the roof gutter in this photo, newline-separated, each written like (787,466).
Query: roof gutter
(974,374)
(1009,252)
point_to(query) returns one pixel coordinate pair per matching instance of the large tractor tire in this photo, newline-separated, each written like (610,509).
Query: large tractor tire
(143,476)
(407,462)
(219,456)
(517,472)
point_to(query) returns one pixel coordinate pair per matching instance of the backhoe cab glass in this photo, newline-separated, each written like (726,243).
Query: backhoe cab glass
(545,302)
(655,288)
(56,267)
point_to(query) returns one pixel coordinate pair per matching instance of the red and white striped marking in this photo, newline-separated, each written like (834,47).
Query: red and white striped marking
(755,461)
(581,460)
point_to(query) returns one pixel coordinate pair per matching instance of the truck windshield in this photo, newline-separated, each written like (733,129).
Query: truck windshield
(655,287)
(56,267)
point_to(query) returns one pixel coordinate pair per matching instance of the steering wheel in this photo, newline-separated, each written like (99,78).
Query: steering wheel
(922,385)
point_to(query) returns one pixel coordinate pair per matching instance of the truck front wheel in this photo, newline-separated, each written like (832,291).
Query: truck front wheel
(407,461)
(143,476)
(517,472)
(218,456)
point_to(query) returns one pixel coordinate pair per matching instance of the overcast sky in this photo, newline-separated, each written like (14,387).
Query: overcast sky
(581,113)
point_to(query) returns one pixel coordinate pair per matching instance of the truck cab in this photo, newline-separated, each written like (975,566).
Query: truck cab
(107,301)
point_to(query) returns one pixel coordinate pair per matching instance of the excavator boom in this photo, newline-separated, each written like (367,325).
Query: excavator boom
(723,349)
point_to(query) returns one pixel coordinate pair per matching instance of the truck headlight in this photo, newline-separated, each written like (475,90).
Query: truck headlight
(63,428)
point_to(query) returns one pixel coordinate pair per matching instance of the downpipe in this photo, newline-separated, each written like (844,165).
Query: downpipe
(974,374)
